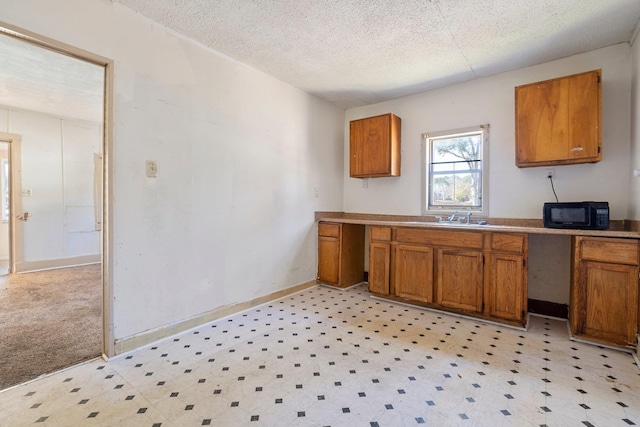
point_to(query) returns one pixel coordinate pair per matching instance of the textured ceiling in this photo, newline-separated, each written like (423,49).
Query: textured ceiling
(358,52)
(350,52)
(37,79)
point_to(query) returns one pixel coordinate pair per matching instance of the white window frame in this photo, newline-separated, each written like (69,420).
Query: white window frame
(427,138)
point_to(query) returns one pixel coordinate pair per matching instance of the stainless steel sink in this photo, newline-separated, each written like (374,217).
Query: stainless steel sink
(461,224)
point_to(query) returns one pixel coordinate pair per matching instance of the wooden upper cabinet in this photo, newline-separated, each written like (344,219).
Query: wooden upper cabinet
(559,121)
(375,147)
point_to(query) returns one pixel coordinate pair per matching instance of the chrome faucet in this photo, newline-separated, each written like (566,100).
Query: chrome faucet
(467,220)
(453,215)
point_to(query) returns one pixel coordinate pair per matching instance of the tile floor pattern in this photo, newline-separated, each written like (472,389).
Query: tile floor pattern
(331,357)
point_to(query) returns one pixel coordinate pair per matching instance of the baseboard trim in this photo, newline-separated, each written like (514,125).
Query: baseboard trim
(49,264)
(134,342)
(547,308)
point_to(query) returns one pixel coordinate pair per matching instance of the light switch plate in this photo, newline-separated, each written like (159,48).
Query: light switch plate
(151,168)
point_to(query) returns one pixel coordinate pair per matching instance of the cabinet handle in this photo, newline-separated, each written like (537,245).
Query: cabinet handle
(577,149)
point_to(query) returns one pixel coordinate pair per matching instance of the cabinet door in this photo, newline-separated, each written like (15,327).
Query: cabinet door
(584,117)
(506,287)
(413,267)
(379,263)
(608,302)
(459,281)
(328,259)
(559,121)
(374,146)
(370,149)
(357,144)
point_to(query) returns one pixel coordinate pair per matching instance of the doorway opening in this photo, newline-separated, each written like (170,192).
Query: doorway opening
(55,137)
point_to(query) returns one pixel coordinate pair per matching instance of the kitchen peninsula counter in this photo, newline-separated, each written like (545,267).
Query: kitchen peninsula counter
(481,270)
(626,229)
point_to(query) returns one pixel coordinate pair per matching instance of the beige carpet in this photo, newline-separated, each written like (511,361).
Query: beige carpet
(49,320)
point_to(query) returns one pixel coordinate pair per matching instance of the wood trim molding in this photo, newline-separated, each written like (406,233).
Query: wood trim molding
(127,344)
(29,266)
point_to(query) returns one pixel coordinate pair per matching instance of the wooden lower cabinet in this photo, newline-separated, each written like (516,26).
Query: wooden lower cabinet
(459,283)
(609,303)
(340,254)
(506,277)
(479,273)
(328,259)
(379,260)
(604,292)
(379,267)
(484,274)
(506,287)
(413,272)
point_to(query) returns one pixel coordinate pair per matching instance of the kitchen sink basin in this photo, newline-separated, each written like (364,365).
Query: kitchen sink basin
(461,224)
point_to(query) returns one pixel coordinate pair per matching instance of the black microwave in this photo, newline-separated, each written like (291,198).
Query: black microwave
(576,215)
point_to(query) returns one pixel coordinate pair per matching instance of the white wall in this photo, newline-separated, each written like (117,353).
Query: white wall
(230,215)
(57,167)
(634,182)
(43,233)
(513,192)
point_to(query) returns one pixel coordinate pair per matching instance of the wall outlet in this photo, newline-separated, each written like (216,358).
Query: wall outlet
(365,183)
(151,168)
(550,173)
(316,192)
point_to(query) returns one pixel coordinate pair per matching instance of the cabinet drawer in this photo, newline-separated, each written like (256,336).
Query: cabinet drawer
(617,251)
(458,239)
(328,230)
(508,242)
(380,233)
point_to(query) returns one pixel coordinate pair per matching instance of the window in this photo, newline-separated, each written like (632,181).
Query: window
(455,171)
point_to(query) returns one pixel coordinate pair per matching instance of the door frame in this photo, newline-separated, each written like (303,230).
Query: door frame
(15,198)
(108,333)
